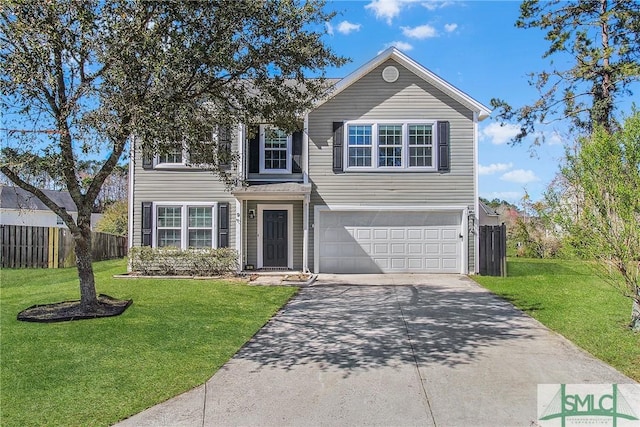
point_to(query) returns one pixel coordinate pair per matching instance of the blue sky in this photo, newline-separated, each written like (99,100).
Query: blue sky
(475,46)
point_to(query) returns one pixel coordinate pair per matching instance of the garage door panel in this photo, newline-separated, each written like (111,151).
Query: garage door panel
(374,242)
(449,234)
(414,248)
(362,233)
(449,249)
(414,234)
(380,248)
(398,249)
(398,234)
(432,248)
(431,234)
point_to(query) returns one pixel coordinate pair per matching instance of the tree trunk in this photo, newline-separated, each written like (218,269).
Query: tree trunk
(84,262)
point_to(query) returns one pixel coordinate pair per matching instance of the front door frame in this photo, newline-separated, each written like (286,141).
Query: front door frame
(275,207)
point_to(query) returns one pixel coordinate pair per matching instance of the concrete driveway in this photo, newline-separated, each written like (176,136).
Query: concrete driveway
(387,350)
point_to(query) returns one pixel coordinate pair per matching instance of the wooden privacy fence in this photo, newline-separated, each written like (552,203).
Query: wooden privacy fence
(52,247)
(493,250)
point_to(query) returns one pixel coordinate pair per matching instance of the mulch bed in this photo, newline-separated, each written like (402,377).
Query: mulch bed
(70,310)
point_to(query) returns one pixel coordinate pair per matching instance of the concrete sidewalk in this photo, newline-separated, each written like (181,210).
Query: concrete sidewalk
(413,350)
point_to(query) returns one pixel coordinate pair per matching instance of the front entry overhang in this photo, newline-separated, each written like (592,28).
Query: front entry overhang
(280,191)
(271,193)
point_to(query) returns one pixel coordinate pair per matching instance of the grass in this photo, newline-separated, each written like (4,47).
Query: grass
(569,299)
(95,372)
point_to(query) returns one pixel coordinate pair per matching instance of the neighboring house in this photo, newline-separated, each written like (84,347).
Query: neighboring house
(487,215)
(382,178)
(19,207)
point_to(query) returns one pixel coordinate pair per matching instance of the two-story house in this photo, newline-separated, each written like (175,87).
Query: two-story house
(383,178)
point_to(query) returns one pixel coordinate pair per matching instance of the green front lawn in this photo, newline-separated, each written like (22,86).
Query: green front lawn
(174,337)
(568,298)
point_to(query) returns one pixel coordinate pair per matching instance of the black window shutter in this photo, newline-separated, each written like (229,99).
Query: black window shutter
(146,223)
(223,225)
(444,147)
(296,149)
(224,146)
(254,150)
(147,159)
(338,146)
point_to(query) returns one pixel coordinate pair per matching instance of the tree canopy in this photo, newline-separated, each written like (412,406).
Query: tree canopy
(601,210)
(599,41)
(80,78)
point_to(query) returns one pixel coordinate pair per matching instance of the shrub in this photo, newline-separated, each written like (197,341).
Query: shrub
(192,262)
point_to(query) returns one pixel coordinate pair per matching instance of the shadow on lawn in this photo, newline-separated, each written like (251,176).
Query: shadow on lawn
(364,327)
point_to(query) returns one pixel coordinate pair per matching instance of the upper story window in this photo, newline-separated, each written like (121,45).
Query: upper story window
(402,146)
(174,155)
(275,150)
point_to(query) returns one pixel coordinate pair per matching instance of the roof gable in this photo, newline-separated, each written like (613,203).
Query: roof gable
(392,53)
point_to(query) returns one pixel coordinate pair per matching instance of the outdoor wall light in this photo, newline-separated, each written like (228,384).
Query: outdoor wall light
(252,213)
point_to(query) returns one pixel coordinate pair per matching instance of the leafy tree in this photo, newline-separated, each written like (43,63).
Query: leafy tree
(601,38)
(605,178)
(80,78)
(114,219)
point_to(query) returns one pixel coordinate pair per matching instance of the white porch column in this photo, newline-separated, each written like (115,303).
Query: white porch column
(239,234)
(305,234)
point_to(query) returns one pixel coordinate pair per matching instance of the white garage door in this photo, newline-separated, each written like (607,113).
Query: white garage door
(389,242)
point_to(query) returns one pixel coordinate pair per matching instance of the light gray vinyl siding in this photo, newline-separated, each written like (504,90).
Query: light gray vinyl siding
(408,98)
(178,185)
(252,231)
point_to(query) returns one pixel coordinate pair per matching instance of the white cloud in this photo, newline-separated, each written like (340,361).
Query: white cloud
(493,168)
(499,134)
(554,138)
(520,176)
(436,4)
(449,28)
(329,28)
(346,27)
(420,32)
(509,196)
(388,9)
(404,46)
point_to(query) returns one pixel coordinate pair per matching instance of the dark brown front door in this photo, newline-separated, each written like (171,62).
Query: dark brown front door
(275,239)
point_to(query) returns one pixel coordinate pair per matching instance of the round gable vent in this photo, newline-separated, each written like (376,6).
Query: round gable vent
(390,74)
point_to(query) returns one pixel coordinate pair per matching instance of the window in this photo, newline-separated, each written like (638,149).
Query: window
(420,145)
(275,150)
(185,226)
(401,146)
(200,227)
(360,145)
(389,145)
(177,154)
(169,226)
(173,155)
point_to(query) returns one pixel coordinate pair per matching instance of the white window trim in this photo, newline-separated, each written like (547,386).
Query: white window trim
(263,129)
(375,153)
(184,230)
(163,165)
(270,207)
